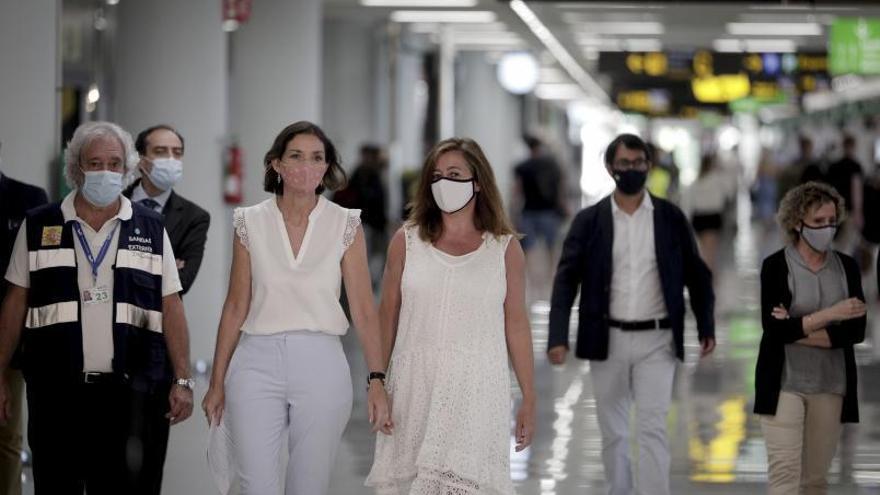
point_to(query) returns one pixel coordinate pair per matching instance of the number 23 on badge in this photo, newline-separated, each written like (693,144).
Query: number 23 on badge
(96,295)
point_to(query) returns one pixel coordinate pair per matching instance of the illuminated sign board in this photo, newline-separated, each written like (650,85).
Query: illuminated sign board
(854,46)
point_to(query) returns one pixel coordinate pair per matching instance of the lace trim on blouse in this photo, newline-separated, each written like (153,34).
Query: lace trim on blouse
(351,226)
(240,227)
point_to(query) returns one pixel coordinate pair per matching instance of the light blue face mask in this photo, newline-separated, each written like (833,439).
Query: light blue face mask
(102,187)
(166,172)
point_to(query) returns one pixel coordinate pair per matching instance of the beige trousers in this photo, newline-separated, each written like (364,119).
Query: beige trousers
(801,440)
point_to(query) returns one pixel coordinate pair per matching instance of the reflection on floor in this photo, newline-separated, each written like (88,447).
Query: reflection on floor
(716,442)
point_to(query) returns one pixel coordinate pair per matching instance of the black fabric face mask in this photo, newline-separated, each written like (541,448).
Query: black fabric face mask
(630,181)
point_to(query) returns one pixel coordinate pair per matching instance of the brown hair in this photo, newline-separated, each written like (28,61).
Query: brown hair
(798,202)
(334,178)
(489,214)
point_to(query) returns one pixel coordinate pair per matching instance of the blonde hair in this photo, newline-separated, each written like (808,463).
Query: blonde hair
(798,202)
(489,212)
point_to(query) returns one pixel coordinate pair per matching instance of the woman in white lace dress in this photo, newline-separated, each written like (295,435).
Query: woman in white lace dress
(279,368)
(452,311)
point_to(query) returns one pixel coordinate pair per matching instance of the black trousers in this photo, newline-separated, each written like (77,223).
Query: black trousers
(77,436)
(147,440)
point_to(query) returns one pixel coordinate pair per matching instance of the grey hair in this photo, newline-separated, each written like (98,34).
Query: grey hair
(84,135)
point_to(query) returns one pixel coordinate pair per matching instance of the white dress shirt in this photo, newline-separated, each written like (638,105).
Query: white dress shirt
(139,194)
(636,293)
(96,319)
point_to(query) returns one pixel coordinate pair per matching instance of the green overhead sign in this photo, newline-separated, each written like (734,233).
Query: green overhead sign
(854,46)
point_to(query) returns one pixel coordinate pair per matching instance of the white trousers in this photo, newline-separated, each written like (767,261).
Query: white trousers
(293,384)
(640,367)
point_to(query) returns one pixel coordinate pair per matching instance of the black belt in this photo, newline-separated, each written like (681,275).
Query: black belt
(96,378)
(633,326)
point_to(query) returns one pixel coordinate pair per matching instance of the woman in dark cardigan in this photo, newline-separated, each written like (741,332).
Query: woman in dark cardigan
(812,313)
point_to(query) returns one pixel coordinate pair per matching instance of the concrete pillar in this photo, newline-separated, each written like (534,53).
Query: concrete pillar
(29,76)
(171,67)
(349,107)
(489,115)
(447,101)
(276,79)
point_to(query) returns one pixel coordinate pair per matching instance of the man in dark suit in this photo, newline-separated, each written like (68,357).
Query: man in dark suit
(162,148)
(632,255)
(15,199)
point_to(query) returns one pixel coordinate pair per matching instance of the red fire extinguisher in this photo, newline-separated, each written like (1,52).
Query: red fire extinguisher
(232,187)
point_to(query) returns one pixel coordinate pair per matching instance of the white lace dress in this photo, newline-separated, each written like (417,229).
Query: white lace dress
(448,380)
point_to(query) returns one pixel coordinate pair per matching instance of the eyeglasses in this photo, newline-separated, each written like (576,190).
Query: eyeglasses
(304,160)
(624,164)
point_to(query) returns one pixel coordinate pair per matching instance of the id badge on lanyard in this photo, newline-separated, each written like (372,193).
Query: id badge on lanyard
(95,294)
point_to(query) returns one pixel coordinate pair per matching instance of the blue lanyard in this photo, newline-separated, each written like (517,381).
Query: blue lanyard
(87,250)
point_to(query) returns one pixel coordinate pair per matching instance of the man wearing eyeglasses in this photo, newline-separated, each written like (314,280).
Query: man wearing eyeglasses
(632,255)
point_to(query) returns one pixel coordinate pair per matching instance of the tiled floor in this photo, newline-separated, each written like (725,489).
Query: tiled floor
(716,442)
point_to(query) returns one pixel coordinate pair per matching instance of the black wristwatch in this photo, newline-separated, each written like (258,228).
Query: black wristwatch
(376,375)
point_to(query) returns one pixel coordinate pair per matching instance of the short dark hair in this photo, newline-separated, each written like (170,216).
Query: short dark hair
(532,142)
(370,148)
(334,178)
(140,144)
(849,141)
(629,141)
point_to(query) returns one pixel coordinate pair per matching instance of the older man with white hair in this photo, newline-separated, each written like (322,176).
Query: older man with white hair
(93,299)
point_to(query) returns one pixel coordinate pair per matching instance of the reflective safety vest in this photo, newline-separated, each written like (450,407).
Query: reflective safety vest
(52,347)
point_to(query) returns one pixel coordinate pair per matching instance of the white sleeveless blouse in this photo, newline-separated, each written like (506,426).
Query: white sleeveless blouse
(296,292)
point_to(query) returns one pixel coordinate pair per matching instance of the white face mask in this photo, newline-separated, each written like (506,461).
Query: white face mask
(452,195)
(819,238)
(166,172)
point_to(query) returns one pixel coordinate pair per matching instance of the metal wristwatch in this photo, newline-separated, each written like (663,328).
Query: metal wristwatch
(186,383)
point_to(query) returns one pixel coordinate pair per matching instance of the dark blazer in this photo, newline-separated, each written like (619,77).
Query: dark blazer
(187,226)
(586,263)
(777,333)
(16,198)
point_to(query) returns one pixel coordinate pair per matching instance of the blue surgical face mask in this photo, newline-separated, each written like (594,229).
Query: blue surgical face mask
(102,187)
(166,172)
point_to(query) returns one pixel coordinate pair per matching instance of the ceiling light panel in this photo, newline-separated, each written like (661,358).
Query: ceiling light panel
(443,16)
(420,3)
(774,28)
(770,46)
(623,28)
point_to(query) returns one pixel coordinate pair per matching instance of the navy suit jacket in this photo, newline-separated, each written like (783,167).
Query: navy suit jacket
(187,226)
(586,263)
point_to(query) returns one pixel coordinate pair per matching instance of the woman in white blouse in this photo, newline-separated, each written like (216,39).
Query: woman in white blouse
(279,367)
